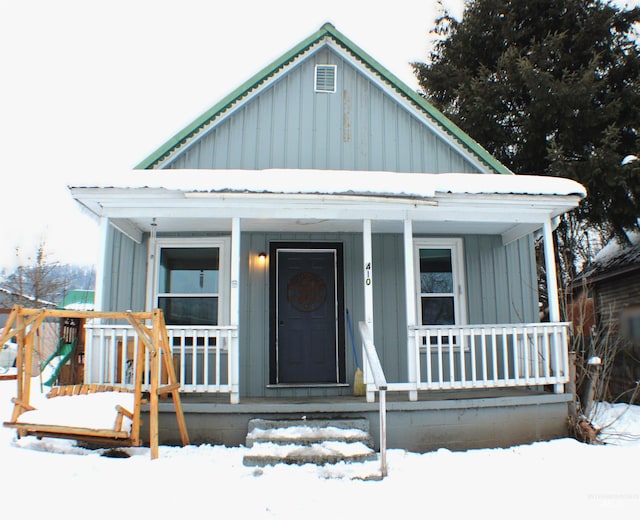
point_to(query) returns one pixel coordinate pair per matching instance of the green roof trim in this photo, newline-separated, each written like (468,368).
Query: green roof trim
(78,297)
(266,73)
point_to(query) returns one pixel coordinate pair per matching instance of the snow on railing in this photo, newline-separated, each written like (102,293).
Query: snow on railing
(491,356)
(202,357)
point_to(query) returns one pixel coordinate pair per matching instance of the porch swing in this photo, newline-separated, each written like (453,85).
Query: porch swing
(124,430)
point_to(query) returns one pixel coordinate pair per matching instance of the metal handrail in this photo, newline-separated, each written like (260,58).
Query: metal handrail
(380,384)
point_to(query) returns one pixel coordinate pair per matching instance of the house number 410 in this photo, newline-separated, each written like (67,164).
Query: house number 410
(367,274)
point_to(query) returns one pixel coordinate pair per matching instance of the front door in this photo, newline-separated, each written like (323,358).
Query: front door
(307,320)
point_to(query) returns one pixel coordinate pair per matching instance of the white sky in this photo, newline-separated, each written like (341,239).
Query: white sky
(92,87)
(88,88)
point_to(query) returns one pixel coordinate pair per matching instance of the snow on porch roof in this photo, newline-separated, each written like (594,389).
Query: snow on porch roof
(343,182)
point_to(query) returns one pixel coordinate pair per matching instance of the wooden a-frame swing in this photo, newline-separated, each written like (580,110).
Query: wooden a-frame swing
(23,324)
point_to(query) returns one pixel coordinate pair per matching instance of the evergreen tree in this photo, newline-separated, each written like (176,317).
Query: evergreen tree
(549,87)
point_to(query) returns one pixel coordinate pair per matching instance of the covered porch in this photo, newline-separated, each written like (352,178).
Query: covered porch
(252,209)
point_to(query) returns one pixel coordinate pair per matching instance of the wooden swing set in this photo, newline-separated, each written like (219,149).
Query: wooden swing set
(23,324)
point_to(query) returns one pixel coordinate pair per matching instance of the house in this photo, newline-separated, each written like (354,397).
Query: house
(606,301)
(324,184)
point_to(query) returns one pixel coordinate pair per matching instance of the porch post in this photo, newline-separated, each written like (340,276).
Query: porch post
(234,302)
(552,287)
(552,280)
(151,264)
(368,295)
(100,265)
(410,304)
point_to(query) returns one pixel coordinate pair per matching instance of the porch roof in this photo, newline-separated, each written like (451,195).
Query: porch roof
(323,200)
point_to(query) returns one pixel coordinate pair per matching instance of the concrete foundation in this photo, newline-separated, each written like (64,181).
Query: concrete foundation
(482,421)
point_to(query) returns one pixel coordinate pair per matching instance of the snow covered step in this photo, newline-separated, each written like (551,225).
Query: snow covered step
(308,431)
(308,442)
(328,452)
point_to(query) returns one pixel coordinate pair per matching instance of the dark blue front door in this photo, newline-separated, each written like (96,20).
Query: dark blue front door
(306,316)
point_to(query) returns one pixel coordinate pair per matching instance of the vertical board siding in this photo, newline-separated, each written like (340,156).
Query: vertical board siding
(491,270)
(501,283)
(493,295)
(254,323)
(615,294)
(125,269)
(390,322)
(288,125)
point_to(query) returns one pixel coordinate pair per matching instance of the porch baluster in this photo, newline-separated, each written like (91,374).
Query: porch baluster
(461,352)
(472,356)
(515,354)
(505,357)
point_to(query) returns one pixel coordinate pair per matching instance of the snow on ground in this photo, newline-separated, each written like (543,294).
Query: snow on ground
(54,479)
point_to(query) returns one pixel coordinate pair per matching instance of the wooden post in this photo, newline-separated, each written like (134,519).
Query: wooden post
(17,409)
(234,312)
(6,331)
(28,365)
(571,386)
(368,295)
(139,365)
(153,393)
(552,290)
(593,374)
(173,379)
(410,305)
(101,267)
(552,279)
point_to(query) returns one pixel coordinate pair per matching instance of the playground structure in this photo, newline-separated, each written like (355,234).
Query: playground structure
(23,324)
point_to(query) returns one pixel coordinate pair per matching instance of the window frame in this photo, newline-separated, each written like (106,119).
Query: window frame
(223,246)
(457,270)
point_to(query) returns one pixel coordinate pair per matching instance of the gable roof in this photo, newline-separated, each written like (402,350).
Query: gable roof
(613,260)
(326,31)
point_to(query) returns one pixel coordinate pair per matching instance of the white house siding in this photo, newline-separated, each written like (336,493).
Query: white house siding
(288,125)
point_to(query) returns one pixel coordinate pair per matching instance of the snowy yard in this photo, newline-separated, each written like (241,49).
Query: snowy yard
(559,479)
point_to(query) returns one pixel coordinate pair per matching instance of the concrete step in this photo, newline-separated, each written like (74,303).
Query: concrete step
(308,431)
(308,442)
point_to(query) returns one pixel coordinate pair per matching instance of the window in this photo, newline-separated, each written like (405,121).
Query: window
(440,283)
(630,325)
(191,283)
(325,78)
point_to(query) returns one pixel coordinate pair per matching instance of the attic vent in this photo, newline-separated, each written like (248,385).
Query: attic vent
(325,78)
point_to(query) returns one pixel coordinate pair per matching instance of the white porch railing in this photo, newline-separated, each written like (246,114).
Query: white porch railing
(445,358)
(379,382)
(203,357)
(491,356)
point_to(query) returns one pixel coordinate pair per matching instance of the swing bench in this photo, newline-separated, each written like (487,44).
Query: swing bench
(124,428)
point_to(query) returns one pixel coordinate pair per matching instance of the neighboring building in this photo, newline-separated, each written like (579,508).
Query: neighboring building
(9,298)
(78,300)
(324,184)
(608,290)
